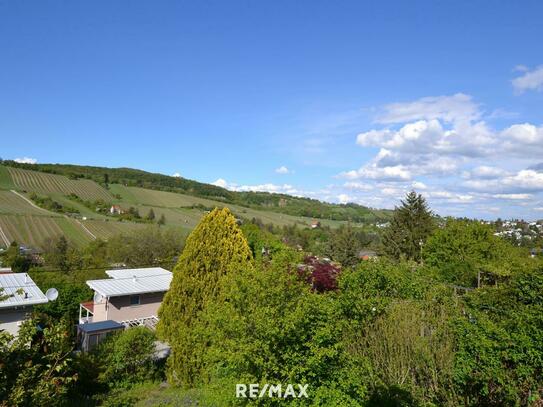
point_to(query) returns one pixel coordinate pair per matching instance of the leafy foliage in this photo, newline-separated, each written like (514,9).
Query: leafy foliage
(36,367)
(499,358)
(464,250)
(271,323)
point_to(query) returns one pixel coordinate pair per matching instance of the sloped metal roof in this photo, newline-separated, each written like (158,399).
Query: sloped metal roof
(132,281)
(16,285)
(100,326)
(141,272)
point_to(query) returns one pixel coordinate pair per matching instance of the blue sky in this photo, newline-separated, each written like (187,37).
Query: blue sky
(342,101)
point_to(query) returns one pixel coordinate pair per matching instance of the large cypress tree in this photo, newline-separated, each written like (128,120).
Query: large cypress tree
(409,228)
(215,248)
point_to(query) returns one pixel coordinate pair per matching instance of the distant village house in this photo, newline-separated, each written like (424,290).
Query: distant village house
(116,210)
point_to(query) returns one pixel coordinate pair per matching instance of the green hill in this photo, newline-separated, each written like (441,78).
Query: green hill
(45,200)
(281,203)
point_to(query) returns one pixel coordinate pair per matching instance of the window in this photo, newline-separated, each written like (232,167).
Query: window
(134,300)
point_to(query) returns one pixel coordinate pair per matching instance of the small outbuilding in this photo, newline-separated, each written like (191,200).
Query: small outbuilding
(91,334)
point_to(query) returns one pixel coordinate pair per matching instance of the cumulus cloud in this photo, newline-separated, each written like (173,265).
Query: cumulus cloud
(523,180)
(220,183)
(176,175)
(274,188)
(447,138)
(282,170)
(343,198)
(530,80)
(26,160)
(523,139)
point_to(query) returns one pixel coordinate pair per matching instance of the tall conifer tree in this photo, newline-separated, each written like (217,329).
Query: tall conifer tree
(215,248)
(409,228)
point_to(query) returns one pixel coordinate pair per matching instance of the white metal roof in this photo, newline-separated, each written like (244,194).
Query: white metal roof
(12,283)
(141,272)
(132,281)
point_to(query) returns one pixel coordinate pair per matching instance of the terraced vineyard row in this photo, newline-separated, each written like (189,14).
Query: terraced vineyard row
(104,229)
(10,203)
(33,230)
(49,183)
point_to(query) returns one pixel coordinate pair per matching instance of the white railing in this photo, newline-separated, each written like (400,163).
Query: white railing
(148,322)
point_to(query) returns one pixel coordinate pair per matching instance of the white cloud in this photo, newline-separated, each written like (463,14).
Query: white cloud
(453,108)
(418,185)
(282,170)
(220,183)
(398,173)
(524,180)
(343,198)
(26,160)
(530,80)
(280,189)
(485,172)
(523,139)
(176,175)
(515,197)
(361,186)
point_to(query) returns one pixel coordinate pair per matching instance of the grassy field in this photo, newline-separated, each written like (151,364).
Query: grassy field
(41,182)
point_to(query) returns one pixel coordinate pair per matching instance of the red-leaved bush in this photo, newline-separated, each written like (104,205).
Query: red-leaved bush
(320,273)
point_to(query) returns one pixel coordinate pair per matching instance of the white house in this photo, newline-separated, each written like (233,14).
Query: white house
(130,297)
(22,294)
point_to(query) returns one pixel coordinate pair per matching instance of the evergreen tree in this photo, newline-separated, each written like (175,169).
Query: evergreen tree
(409,228)
(162,220)
(151,214)
(216,247)
(344,245)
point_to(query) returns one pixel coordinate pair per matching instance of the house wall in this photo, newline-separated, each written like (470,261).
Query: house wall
(100,311)
(119,308)
(11,318)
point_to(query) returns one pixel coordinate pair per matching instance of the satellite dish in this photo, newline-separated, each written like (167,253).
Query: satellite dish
(51,294)
(97,297)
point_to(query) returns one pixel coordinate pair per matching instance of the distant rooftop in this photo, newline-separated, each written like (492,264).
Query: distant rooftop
(141,272)
(132,281)
(21,289)
(100,326)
